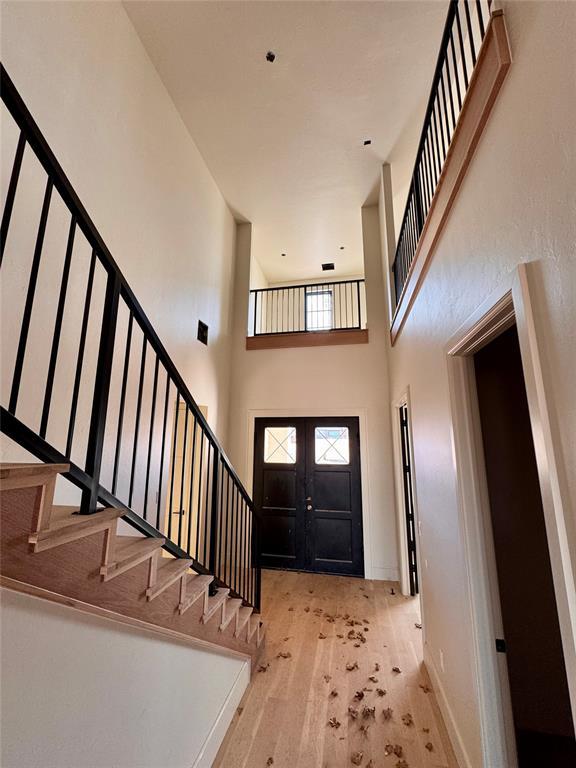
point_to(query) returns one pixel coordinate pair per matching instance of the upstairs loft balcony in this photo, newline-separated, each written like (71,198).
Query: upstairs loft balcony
(306,315)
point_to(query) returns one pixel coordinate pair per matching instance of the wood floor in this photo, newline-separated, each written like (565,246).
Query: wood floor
(284,718)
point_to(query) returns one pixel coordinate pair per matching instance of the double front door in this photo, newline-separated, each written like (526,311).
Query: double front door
(307,489)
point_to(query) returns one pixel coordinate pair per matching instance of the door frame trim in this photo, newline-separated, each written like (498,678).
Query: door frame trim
(362,416)
(513,302)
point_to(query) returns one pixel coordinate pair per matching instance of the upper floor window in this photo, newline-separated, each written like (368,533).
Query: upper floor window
(319,309)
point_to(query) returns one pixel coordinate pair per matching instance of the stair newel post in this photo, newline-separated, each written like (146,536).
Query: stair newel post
(101,393)
(214,516)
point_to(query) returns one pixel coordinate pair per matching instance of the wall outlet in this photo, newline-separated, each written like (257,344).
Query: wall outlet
(442,660)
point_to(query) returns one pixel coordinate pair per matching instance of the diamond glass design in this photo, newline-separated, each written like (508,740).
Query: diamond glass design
(332,445)
(280,445)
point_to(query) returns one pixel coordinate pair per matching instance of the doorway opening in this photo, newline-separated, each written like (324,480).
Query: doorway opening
(531,638)
(307,487)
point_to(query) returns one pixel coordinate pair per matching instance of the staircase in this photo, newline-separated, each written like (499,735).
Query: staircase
(127,437)
(54,552)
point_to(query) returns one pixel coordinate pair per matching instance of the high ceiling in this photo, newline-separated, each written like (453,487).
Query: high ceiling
(285,140)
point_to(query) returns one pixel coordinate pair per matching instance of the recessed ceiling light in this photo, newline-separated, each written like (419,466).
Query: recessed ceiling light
(341,247)
(282,254)
(367,142)
(270,56)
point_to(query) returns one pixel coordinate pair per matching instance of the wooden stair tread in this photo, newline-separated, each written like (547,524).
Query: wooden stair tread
(195,586)
(130,551)
(169,571)
(21,469)
(67,527)
(213,603)
(231,608)
(242,619)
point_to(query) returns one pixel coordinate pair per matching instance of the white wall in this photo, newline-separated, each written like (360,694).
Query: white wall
(85,76)
(333,380)
(80,691)
(516,204)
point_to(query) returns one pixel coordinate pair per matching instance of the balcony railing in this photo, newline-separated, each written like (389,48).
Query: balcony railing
(89,383)
(464,32)
(312,307)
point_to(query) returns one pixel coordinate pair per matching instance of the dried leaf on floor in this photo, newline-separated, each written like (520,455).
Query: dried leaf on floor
(376,667)
(429,746)
(240,710)
(290,609)
(402,764)
(418,625)
(330,619)
(351,665)
(356,758)
(353,713)
(381,691)
(284,655)
(321,636)
(340,636)
(370,764)
(334,723)
(387,713)
(368,712)
(397,670)
(397,749)
(366,629)
(364,730)
(365,621)
(359,695)
(311,591)
(425,730)
(327,678)
(263,667)
(307,609)
(425,688)
(407,719)
(333,693)
(373,678)
(388,750)
(270,761)
(366,596)
(288,638)
(357,645)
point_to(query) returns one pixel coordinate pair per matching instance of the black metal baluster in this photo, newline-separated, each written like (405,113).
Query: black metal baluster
(33,279)
(182,478)
(450,96)
(470,34)
(80,359)
(162,452)
(207,503)
(480,19)
(137,424)
(444,103)
(200,532)
(226,557)
(214,510)
(11,193)
(122,402)
(173,464)
(57,329)
(455,67)
(220,516)
(191,495)
(151,436)
(461,42)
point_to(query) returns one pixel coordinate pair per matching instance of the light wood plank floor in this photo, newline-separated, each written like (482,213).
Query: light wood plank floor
(284,717)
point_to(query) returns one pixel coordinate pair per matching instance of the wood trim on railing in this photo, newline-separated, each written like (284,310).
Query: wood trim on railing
(491,67)
(307,339)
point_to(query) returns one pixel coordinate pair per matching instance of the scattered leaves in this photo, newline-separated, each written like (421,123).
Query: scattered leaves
(351,665)
(388,750)
(425,730)
(321,636)
(307,609)
(353,713)
(334,723)
(359,695)
(263,667)
(340,636)
(381,691)
(311,591)
(368,712)
(290,609)
(270,761)
(287,638)
(356,758)
(284,655)
(407,719)
(388,712)
(398,751)
(429,746)
(402,764)
(373,678)
(333,693)
(364,730)
(376,667)
(327,678)
(397,670)
(426,688)
(418,625)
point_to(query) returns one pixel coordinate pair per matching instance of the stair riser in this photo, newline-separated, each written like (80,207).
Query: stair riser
(43,544)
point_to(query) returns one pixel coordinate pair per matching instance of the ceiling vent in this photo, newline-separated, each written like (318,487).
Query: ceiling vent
(328,266)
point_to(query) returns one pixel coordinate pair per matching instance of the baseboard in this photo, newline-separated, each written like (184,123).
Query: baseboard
(218,731)
(447,714)
(385,574)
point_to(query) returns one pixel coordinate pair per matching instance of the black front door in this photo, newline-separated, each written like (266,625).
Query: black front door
(307,489)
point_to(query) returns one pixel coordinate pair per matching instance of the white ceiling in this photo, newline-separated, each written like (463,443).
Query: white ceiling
(284,141)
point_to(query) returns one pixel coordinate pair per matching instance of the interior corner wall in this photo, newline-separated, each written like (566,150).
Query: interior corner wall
(331,380)
(516,204)
(80,691)
(91,87)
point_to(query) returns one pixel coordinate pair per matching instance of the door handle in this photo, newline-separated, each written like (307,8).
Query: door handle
(309,507)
